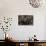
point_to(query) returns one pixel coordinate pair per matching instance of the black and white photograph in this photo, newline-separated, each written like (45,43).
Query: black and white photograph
(25,19)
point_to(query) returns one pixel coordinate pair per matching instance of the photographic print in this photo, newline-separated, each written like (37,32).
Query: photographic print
(25,20)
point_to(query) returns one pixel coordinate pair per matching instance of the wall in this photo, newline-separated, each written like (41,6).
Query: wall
(13,8)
